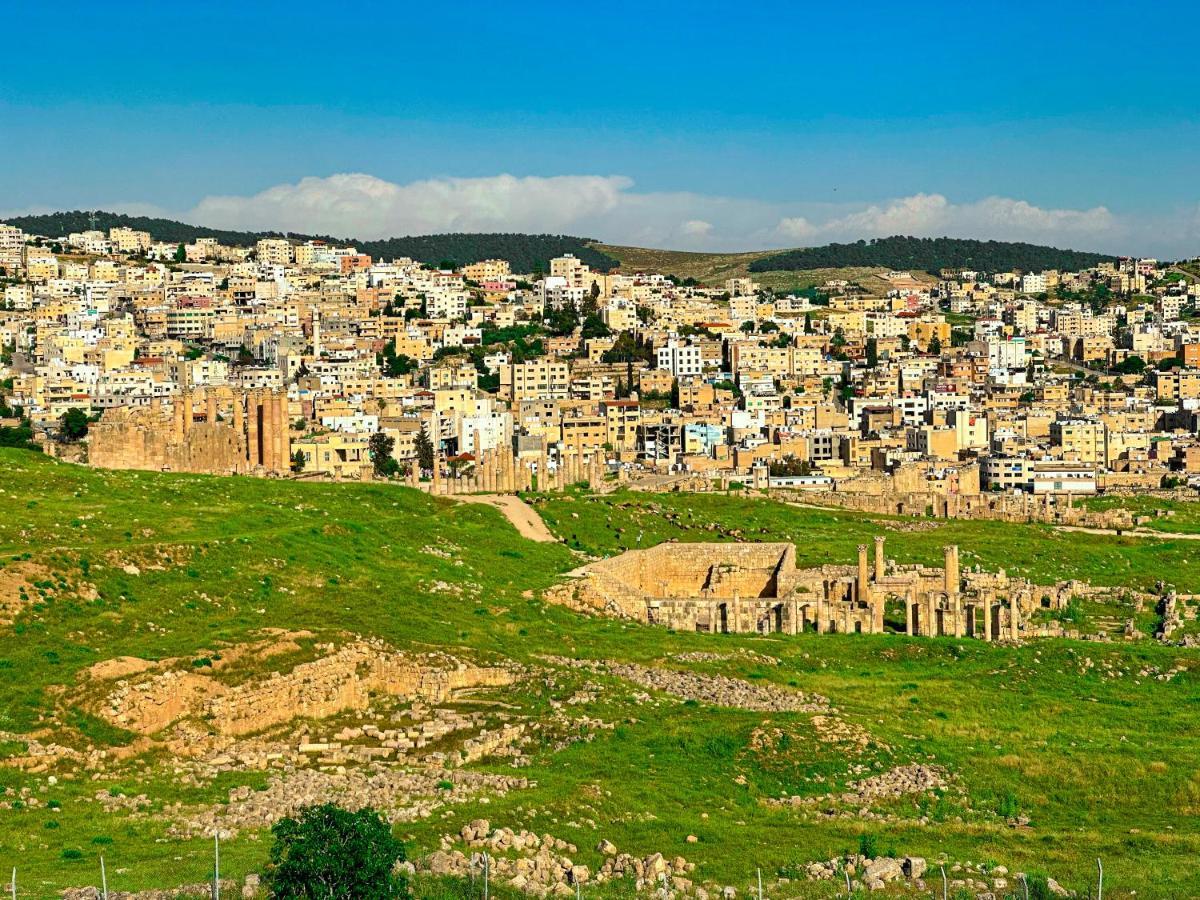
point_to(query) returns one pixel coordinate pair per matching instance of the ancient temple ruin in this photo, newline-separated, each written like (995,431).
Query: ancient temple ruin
(748,588)
(217,431)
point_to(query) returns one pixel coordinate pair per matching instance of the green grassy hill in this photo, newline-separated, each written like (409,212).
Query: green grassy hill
(1055,752)
(712,269)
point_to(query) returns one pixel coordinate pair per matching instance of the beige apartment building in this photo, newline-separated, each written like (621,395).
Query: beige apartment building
(1177,384)
(487,270)
(275,251)
(537,379)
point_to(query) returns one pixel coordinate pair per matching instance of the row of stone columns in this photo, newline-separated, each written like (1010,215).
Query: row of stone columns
(500,472)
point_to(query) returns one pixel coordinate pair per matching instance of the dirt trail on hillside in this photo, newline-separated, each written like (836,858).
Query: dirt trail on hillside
(523,516)
(1133,532)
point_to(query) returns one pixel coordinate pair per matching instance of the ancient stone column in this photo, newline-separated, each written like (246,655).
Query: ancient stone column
(987,619)
(879,559)
(864,586)
(908,615)
(239,417)
(1014,617)
(283,435)
(210,407)
(187,412)
(177,419)
(952,579)
(254,429)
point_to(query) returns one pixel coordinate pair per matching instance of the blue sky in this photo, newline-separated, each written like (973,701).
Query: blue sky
(699,125)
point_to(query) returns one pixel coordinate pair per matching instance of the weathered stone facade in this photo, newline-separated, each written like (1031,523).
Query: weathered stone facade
(219,431)
(757,588)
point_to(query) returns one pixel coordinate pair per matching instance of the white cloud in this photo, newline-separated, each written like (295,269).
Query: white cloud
(368,207)
(932,215)
(608,207)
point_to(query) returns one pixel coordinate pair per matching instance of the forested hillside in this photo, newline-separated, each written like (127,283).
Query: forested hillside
(524,252)
(931,255)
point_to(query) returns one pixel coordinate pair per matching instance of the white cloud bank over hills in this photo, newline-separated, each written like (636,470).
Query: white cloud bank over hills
(608,207)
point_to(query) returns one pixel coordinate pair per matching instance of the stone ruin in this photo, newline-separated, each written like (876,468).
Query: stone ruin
(233,432)
(343,681)
(756,588)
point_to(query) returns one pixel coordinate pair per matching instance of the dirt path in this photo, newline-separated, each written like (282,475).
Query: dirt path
(1133,532)
(523,516)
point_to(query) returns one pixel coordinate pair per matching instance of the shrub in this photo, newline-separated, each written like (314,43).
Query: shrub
(868,845)
(331,852)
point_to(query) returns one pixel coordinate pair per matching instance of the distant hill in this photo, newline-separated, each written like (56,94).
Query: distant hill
(62,223)
(524,252)
(931,255)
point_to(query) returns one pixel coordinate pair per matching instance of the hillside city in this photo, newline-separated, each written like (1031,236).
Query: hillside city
(963,382)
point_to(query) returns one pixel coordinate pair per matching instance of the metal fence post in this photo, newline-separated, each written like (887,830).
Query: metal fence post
(945,884)
(103,881)
(1100,884)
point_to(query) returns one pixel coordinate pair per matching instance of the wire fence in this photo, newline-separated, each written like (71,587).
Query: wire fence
(481,880)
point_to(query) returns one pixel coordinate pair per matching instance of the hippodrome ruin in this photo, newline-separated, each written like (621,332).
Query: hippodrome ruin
(757,588)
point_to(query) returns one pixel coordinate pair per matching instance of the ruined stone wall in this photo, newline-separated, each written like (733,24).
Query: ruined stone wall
(342,681)
(683,570)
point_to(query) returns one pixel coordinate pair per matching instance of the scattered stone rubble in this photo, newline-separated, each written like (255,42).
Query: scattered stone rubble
(543,865)
(399,795)
(860,795)
(980,880)
(228,887)
(716,690)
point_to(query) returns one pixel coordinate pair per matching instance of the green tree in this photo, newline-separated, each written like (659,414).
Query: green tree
(1131,365)
(675,393)
(872,353)
(73,425)
(380,447)
(424,450)
(935,345)
(329,853)
(181,254)
(298,461)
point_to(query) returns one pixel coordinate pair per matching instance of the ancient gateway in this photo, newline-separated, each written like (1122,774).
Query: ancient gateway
(748,588)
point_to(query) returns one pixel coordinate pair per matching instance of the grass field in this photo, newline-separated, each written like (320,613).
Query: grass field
(1091,747)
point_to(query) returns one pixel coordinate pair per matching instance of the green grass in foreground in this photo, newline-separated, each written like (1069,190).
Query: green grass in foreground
(1080,738)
